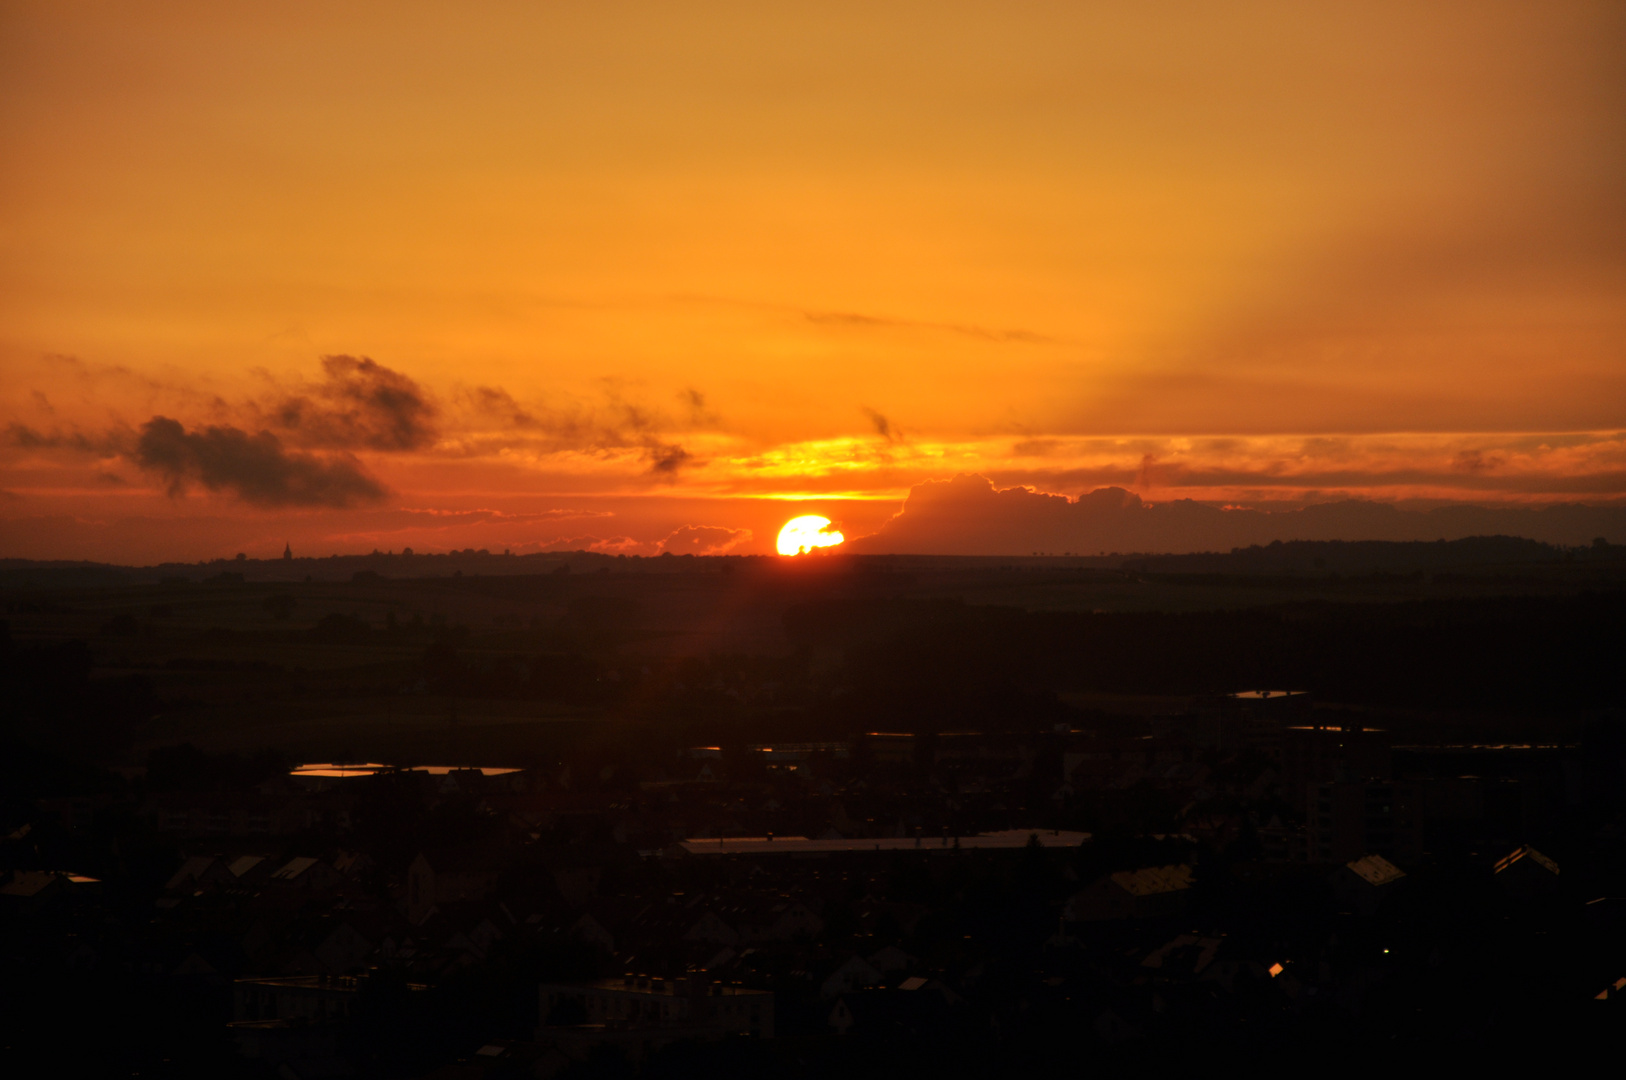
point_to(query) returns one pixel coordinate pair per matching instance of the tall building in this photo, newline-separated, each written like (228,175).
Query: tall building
(1349,819)
(1319,754)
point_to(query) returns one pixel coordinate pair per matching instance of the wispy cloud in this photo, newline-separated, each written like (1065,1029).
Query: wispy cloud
(294,441)
(859,321)
(612,423)
(704,540)
(359,404)
(883,426)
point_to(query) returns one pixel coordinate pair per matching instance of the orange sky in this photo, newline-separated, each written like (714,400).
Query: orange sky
(636,267)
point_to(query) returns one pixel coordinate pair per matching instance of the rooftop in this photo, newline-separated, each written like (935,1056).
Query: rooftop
(1153,880)
(294,868)
(1376,870)
(1534,856)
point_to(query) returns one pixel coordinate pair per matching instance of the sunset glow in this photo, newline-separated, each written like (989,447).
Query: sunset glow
(545,276)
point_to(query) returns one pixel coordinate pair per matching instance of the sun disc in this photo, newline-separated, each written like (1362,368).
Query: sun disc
(806,533)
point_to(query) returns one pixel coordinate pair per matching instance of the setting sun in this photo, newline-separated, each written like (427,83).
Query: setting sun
(806,533)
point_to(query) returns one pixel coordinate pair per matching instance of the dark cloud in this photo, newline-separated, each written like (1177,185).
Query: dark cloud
(968,515)
(883,427)
(359,404)
(495,402)
(256,468)
(666,459)
(1475,461)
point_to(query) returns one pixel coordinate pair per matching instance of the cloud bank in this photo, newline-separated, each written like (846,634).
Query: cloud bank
(968,515)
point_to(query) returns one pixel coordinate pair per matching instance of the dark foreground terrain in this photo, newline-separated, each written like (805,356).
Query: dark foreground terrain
(1048,823)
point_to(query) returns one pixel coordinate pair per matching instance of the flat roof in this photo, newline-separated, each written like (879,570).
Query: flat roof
(323,768)
(312,982)
(1335,728)
(801,845)
(1457,748)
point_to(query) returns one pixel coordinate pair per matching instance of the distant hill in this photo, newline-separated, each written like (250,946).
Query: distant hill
(1369,556)
(1296,557)
(31,573)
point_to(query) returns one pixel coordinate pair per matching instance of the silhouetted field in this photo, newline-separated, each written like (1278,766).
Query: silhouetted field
(514,666)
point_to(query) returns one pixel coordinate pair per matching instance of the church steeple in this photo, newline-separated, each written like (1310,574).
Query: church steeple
(287,552)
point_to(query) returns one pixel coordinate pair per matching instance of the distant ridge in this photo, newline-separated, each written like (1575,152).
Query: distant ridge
(1291,557)
(1366,556)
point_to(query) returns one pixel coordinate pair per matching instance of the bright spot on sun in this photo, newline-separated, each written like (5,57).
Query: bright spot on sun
(806,533)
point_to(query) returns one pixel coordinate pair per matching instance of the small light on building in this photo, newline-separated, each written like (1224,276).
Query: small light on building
(1275,970)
